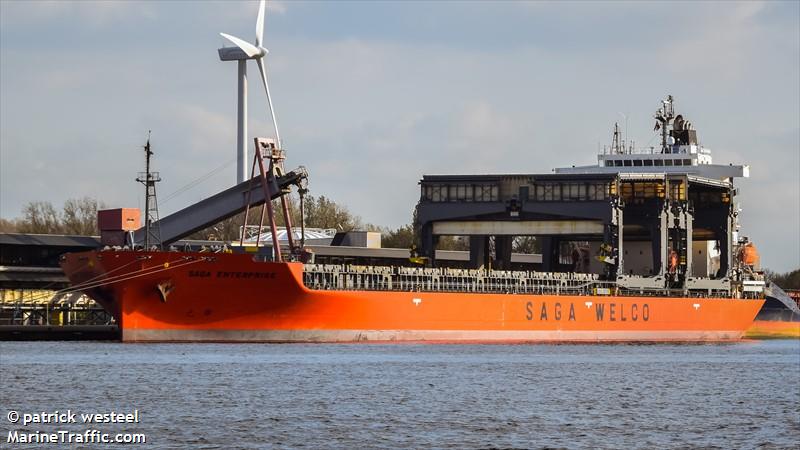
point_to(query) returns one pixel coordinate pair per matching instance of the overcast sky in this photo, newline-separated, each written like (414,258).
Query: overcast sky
(372,95)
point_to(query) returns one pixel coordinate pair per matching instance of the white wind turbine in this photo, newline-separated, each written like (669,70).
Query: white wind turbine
(241,53)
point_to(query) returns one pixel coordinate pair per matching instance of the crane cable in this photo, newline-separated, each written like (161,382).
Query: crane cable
(197,181)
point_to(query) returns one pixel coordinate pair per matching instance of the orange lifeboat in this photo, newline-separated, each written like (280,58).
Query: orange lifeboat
(748,255)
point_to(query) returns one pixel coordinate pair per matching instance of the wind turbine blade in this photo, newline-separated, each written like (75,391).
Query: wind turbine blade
(260,23)
(248,48)
(263,70)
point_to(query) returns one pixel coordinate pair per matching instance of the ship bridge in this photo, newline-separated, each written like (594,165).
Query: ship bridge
(680,152)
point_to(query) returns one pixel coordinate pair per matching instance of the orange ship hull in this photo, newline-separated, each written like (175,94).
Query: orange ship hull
(170,296)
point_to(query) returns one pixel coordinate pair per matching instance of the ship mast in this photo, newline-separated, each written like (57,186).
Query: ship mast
(617,146)
(152,230)
(663,117)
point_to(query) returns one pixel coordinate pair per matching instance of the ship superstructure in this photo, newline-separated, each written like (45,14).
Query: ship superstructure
(680,152)
(647,220)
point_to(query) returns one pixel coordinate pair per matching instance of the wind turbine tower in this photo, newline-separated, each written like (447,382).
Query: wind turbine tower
(241,53)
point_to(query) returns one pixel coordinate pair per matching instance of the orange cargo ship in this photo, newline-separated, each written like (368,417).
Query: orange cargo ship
(175,296)
(661,225)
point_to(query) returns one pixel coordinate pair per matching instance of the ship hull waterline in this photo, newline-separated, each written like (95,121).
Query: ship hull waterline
(201,297)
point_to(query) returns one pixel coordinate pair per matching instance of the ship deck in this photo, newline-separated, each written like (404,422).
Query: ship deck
(389,278)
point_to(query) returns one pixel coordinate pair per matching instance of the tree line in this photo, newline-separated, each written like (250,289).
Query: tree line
(788,280)
(77,216)
(320,212)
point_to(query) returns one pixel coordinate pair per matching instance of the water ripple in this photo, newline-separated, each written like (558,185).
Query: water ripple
(215,396)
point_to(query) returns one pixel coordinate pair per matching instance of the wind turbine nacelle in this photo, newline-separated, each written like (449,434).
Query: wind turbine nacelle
(232,54)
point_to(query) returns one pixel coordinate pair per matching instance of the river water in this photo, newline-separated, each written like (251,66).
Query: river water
(223,396)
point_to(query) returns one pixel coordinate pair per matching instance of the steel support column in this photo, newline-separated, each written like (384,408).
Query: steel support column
(478,251)
(502,250)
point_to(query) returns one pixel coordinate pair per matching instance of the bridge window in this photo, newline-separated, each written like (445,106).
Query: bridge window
(658,162)
(459,193)
(486,193)
(648,162)
(548,192)
(597,191)
(574,191)
(436,193)
(637,162)
(556,192)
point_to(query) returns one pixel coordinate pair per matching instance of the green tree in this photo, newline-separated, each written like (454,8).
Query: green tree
(460,243)
(788,280)
(402,237)
(322,212)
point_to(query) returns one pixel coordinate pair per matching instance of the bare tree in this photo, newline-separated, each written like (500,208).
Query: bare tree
(40,218)
(9,226)
(526,244)
(80,216)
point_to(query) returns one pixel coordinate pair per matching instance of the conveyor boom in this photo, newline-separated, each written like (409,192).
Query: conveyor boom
(219,207)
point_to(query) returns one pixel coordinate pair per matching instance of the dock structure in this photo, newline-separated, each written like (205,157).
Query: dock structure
(34,300)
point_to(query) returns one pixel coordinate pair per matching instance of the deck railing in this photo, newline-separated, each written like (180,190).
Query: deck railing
(385,278)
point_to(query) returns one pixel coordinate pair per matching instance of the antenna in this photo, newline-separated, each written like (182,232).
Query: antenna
(617,147)
(663,116)
(152,234)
